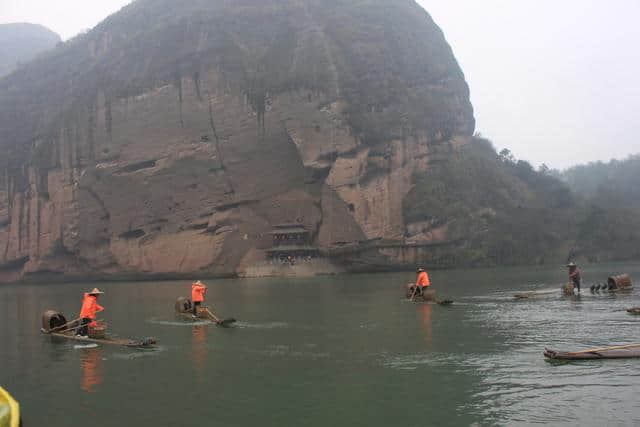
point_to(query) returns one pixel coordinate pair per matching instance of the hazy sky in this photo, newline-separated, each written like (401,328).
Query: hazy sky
(554,81)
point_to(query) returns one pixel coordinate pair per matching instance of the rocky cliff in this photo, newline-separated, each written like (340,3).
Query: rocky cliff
(170,139)
(20,43)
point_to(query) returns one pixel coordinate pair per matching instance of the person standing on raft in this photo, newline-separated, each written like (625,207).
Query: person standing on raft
(574,275)
(88,311)
(198,290)
(423,282)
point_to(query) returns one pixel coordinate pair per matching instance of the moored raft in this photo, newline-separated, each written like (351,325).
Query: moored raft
(55,324)
(628,351)
(184,309)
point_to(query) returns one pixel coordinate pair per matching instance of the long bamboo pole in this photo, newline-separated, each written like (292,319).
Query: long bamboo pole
(212,315)
(415,288)
(57,328)
(60,329)
(595,350)
(72,328)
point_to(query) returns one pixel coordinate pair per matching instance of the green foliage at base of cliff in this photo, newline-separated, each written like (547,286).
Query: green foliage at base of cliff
(500,211)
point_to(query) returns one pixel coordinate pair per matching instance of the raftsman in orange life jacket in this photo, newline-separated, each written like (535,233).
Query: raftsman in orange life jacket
(423,279)
(90,307)
(198,289)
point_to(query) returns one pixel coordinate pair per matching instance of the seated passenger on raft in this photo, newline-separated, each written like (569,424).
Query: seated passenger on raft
(88,311)
(198,290)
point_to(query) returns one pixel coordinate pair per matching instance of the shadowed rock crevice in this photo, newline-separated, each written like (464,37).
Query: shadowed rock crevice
(147,164)
(132,234)
(15,264)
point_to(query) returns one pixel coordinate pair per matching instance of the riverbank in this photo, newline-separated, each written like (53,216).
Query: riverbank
(265,270)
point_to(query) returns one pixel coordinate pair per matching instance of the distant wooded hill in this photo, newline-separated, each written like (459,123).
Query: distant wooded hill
(19,43)
(501,210)
(600,181)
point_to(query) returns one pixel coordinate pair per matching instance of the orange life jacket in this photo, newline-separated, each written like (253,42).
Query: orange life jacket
(90,307)
(197,292)
(423,279)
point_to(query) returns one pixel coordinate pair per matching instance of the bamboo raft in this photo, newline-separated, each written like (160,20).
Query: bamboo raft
(55,325)
(533,294)
(428,295)
(621,283)
(525,295)
(145,343)
(628,351)
(184,309)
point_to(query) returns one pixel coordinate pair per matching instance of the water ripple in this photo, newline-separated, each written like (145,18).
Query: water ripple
(268,325)
(186,323)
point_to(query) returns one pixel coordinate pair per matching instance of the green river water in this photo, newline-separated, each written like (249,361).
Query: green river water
(329,351)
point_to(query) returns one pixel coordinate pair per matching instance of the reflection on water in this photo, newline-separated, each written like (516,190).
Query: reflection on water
(91,369)
(426,322)
(340,350)
(199,348)
(267,325)
(183,323)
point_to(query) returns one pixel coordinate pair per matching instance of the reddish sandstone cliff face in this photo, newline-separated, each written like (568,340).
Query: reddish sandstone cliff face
(188,174)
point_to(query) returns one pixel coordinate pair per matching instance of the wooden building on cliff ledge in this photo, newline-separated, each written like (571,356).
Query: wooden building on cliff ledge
(291,242)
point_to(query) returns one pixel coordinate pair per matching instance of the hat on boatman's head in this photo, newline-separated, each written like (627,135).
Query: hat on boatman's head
(572,264)
(95,291)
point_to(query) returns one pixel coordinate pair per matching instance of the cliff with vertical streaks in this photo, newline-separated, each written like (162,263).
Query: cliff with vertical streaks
(170,139)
